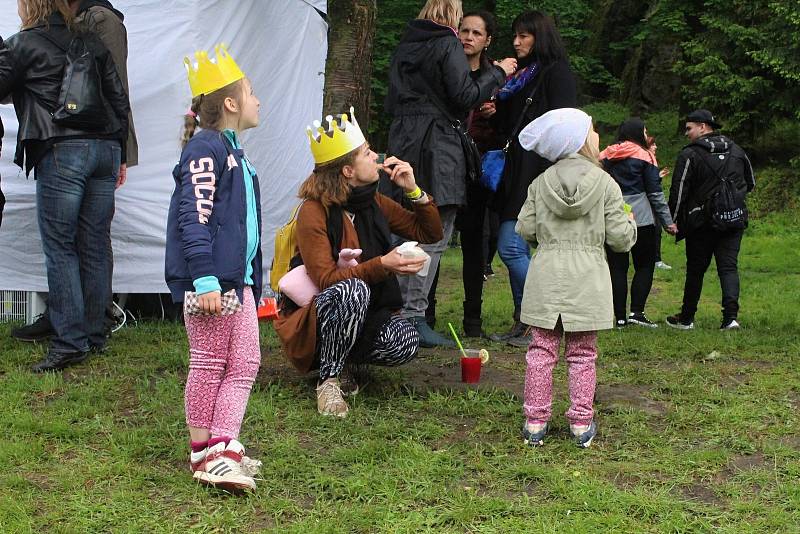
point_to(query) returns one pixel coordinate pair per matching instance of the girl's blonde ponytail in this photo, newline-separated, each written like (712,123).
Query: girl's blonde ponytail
(190,121)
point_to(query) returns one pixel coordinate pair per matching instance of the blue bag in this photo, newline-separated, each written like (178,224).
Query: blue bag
(494,161)
(492,164)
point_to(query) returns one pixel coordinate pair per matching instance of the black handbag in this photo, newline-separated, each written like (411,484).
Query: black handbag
(80,102)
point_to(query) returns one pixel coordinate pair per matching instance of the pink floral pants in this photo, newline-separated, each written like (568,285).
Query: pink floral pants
(542,356)
(224,356)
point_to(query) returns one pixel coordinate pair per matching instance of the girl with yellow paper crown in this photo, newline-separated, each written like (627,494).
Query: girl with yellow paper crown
(213,266)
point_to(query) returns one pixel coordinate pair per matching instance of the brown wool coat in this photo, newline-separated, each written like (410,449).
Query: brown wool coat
(297,330)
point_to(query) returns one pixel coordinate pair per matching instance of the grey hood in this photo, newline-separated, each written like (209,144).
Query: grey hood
(572,187)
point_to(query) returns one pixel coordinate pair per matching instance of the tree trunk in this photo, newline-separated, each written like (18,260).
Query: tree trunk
(348,68)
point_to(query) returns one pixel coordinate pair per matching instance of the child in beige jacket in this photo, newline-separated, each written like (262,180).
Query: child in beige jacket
(573,210)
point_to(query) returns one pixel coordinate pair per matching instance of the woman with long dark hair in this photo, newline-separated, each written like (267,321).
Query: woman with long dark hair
(632,164)
(543,82)
(431,91)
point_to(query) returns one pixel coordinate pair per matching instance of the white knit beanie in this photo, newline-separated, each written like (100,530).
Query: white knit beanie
(557,133)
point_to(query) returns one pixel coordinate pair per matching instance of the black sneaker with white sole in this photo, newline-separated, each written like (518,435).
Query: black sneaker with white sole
(641,319)
(676,321)
(621,323)
(730,324)
(39,330)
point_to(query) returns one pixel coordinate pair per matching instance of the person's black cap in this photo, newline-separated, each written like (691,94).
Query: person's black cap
(703,115)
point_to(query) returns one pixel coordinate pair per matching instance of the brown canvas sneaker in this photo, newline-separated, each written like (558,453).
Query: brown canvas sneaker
(330,400)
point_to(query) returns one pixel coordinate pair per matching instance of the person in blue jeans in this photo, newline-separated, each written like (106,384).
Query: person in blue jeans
(544,81)
(76,172)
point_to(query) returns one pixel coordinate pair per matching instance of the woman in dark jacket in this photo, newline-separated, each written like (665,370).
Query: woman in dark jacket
(76,171)
(544,75)
(631,161)
(475,32)
(429,74)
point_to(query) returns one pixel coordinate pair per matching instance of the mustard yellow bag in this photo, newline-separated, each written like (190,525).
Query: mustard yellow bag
(285,245)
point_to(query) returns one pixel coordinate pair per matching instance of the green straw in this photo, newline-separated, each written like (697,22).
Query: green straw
(458,342)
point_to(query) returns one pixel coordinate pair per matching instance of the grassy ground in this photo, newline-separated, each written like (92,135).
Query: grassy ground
(698,430)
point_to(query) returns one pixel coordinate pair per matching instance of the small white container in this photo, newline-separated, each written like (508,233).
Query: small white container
(410,250)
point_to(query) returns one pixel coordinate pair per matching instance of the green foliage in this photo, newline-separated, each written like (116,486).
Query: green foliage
(776,190)
(745,64)
(739,58)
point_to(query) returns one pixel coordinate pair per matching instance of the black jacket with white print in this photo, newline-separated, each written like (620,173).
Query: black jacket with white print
(696,172)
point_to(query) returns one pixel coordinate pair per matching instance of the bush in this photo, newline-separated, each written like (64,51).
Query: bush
(777,190)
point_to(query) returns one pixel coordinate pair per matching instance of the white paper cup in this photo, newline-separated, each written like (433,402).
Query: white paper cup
(410,250)
(425,266)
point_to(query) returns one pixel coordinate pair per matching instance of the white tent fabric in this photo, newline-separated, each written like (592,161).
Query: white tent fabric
(280,45)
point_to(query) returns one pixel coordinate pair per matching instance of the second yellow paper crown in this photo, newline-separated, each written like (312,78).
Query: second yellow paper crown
(342,136)
(209,75)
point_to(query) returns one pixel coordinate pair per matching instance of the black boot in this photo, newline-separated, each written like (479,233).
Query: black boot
(56,361)
(430,311)
(472,320)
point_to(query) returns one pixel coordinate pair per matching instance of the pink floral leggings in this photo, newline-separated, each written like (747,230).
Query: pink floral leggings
(224,356)
(581,353)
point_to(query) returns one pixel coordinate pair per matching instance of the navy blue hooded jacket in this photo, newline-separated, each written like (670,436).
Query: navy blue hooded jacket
(207,220)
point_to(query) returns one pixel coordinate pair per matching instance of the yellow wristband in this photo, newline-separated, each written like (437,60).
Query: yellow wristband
(415,194)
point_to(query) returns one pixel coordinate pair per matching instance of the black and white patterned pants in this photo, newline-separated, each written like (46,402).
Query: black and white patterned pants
(341,312)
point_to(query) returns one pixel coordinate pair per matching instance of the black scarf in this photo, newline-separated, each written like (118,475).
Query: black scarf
(375,240)
(374,237)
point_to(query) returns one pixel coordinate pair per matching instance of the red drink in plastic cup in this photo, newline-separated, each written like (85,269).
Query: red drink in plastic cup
(471,367)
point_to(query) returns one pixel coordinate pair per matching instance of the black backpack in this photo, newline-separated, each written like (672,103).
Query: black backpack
(725,206)
(80,102)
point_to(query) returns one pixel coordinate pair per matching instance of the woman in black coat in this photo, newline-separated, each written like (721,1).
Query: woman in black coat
(76,167)
(544,75)
(429,78)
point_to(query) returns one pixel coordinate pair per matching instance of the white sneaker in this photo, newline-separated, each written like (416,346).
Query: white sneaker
(330,400)
(222,468)
(250,466)
(662,265)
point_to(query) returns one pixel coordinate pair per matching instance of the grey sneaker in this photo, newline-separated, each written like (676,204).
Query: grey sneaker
(521,341)
(663,266)
(533,434)
(584,434)
(517,330)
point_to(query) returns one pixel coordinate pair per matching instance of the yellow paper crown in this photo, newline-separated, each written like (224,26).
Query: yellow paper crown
(208,74)
(341,137)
